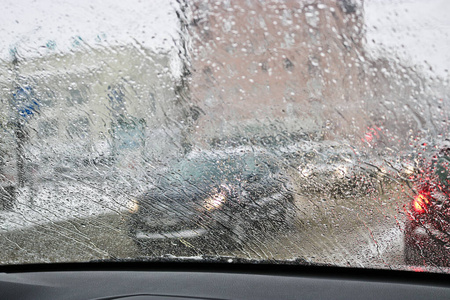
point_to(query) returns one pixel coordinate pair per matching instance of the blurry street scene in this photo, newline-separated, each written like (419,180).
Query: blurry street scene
(312,122)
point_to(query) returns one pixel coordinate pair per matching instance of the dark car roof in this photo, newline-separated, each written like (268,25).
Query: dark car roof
(207,168)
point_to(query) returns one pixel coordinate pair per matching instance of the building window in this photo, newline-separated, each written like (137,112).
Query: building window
(75,97)
(79,128)
(48,128)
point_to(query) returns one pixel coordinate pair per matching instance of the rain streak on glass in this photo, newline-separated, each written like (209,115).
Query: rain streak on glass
(306,131)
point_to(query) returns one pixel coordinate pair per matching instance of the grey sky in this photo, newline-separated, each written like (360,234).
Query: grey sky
(415,30)
(30,24)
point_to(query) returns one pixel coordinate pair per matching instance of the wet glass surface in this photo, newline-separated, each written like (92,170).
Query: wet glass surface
(268,130)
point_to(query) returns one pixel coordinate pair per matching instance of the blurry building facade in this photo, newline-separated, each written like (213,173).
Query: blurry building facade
(93,102)
(268,67)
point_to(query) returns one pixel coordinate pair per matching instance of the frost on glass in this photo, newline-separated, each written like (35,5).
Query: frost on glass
(256,129)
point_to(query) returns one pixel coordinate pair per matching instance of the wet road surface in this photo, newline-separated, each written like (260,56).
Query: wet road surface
(347,231)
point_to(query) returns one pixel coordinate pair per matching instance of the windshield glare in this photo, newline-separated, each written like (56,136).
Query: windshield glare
(308,131)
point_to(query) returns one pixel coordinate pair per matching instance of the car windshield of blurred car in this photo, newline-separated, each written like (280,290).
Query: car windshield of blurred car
(312,131)
(216,167)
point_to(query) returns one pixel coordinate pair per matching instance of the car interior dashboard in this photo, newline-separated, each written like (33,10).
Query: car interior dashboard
(198,280)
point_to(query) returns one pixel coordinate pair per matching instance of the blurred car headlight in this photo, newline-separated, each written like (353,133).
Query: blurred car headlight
(214,201)
(133,206)
(409,170)
(305,172)
(341,171)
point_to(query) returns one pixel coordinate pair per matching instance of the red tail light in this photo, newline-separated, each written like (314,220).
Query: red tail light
(420,203)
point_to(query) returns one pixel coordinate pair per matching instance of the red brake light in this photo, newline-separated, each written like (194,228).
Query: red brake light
(420,203)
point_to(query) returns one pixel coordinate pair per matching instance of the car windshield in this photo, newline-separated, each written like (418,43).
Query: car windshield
(301,132)
(217,168)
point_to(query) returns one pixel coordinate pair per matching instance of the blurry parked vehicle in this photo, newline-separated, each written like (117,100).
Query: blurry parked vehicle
(332,168)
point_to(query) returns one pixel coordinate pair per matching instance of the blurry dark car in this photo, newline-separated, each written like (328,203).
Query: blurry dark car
(427,230)
(222,198)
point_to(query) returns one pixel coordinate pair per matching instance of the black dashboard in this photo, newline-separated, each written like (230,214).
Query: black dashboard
(141,281)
